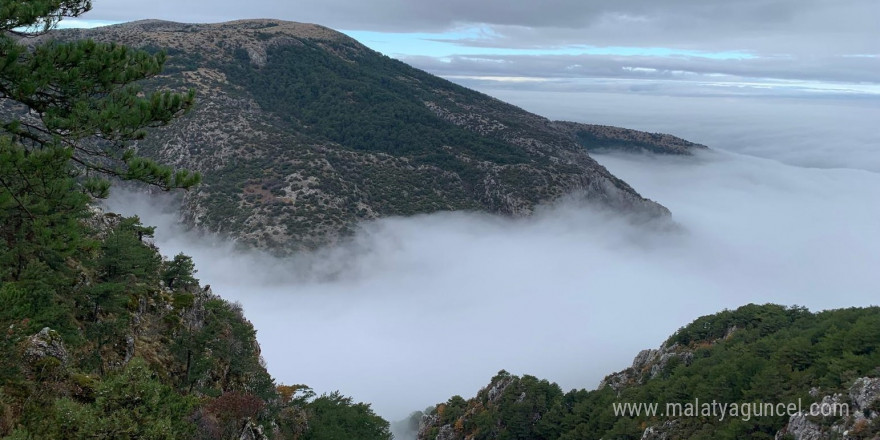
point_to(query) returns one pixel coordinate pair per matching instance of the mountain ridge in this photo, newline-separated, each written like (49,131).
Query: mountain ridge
(301,133)
(746,357)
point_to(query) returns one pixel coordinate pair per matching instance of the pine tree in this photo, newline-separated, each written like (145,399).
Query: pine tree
(178,273)
(82,96)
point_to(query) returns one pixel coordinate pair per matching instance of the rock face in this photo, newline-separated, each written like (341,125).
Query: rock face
(864,393)
(45,344)
(860,407)
(646,365)
(506,408)
(665,431)
(251,431)
(302,132)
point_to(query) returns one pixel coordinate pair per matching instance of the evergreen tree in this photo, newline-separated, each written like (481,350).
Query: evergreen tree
(179,272)
(334,416)
(81,97)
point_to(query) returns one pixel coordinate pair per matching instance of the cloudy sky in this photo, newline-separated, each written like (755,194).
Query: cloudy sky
(758,46)
(784,209)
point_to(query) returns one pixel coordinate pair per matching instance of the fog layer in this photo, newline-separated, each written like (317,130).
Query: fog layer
(419,309)
(820,131)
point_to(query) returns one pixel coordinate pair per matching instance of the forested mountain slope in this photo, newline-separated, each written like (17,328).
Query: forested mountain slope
(752,355)
(102,337)
(300,132)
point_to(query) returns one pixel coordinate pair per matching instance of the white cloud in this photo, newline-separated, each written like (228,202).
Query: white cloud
(824,132)
(419,309)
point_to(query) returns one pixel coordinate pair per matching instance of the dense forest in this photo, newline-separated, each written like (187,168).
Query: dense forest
(755,353)
(102,336)
(362,101)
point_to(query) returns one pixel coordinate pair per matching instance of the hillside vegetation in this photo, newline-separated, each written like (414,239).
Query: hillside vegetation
(753,354)
(103,338)
(301,132)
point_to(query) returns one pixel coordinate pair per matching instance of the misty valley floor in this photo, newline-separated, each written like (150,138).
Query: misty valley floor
(422,308)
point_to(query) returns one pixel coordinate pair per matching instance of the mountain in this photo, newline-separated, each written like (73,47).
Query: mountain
(755,355)
(114,341)
(603,138)
(301,132)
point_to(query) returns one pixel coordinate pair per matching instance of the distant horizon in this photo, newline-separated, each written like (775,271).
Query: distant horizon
(793,49)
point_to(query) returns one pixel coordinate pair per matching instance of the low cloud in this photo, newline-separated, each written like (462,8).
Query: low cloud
(759,75)
(418,309)
(809,131)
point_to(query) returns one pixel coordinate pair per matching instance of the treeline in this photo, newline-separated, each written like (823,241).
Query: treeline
(756,353)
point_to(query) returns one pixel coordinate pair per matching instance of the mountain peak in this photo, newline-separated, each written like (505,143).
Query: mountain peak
(251,27)
(301,133)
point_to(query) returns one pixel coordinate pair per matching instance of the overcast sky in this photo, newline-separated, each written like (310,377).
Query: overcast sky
(811,45)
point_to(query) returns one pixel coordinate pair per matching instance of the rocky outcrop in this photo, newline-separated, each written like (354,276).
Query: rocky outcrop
(252,431)
(45,344)
(664,431)
(433,421)
(854,415)
(864,393)
(646,365)
(509,407)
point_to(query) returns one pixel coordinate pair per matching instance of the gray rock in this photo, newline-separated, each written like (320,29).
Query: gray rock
(251,431)
(425,423)
(497,389)
(446,433)
(646,365)
(660,432)
(864,392)
(801,429)
(861,395)
(46,343)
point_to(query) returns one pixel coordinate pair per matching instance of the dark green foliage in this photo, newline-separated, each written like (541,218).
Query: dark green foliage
(124,254)
(755,353)
(130,404)
(364,102)
(592,142)
(40,209)
(127,357)
(100,289)
(336,417)
(179,273)
(518,412)
(81,97)
(40,230)
(38,15)
(219,353)
(764,319)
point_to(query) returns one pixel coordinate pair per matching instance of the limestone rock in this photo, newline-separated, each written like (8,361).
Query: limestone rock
(46,343)
(647,365)
(857,402)
(660,432)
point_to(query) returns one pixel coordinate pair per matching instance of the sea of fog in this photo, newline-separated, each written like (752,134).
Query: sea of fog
(415,310)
